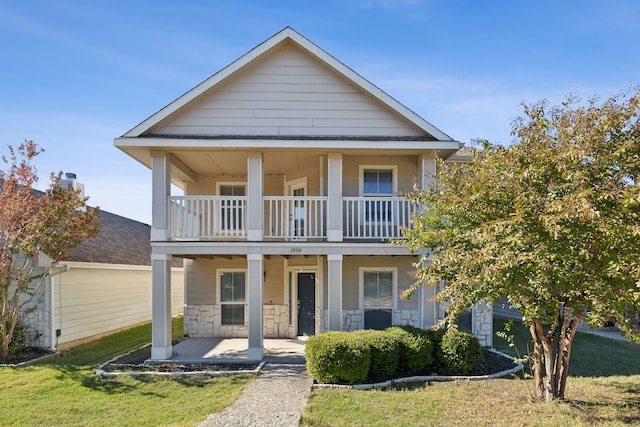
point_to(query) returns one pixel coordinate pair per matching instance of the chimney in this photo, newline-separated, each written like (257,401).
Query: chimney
(69,181)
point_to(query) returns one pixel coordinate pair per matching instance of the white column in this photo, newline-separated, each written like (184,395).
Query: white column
(334,197)
(334,296)
(255,318)
(161,190)
(254,198)
(427,167)
(161,347)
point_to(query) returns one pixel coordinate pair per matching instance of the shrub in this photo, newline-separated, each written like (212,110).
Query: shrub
(416,349)
(384,349)
(20,340)
(338,357)
(460,352)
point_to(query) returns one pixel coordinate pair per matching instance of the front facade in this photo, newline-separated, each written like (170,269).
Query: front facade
(293,169)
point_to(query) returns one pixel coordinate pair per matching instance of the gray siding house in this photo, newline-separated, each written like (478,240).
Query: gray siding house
(293,169)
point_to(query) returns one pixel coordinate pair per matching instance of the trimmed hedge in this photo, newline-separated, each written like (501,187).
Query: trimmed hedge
(460,352)
(373,356)
(416,349)
(338,358)
(384,349)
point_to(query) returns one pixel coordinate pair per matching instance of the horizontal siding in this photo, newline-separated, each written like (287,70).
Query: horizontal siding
(288,93)
(94,301)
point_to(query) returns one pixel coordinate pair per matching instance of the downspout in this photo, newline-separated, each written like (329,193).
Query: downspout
(52,331)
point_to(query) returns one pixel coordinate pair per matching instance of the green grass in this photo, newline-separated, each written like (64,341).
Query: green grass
(66,391)
(604,390)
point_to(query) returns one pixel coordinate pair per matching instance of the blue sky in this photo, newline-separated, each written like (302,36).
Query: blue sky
(75,74)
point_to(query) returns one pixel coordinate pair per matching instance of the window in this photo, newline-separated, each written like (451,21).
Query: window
(377,181)
(232,287)
(232,212)
(378,295)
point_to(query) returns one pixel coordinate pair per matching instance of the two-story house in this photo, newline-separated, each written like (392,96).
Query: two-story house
(293,169)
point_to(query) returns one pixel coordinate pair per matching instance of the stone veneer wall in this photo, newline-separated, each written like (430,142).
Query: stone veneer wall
(37,323)
(203,321)
(353,320)
(483,324)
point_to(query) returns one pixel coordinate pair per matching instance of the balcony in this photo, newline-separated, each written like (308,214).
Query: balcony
(212,218)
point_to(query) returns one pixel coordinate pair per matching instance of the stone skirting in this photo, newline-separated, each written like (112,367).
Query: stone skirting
(353,320)
(37,323)
(203,321)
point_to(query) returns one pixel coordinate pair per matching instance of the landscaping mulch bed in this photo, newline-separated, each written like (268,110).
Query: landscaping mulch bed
(28,354)
(135,362)
(494,363)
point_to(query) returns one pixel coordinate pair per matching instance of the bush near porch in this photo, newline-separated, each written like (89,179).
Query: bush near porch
(373,356)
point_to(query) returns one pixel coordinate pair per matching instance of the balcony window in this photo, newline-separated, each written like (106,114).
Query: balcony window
(232,213)
(378,289)
(232,291)
(378,181)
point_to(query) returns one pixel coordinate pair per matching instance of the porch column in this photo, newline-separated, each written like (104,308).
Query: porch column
(161,190)
(427,166)
(161,348)
(255,206)
(255,318)
(335,292)
(334,197)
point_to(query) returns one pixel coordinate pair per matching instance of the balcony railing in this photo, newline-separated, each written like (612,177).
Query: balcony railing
(287,218)
(375,217)
(207,217)
(295,217)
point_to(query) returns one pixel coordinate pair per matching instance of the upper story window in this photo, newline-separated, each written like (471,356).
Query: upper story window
(378,181)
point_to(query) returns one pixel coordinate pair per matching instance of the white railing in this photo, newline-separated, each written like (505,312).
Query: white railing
(295,218)
(375,217)
(207,217)
(288,218)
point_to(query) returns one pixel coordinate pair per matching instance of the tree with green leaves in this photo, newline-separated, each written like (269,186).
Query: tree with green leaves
(551,221)
(33,224)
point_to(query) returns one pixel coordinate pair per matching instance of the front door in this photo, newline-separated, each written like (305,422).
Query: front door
(297,212)
(306,304)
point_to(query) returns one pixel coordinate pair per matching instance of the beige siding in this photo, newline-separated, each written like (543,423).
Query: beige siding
(406,166)
(351,279)
(288,93)
(97,300)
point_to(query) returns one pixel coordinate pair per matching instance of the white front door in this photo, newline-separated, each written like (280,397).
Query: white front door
(297,211)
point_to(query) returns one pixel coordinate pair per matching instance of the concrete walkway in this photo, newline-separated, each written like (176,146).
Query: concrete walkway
(277,397)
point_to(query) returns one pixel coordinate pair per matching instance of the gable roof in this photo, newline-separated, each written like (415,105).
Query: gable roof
(287,35)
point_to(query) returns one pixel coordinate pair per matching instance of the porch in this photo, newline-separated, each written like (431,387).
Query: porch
(225,350)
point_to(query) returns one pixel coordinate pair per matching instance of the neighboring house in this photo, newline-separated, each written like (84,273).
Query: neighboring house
(293,169)
(104,286)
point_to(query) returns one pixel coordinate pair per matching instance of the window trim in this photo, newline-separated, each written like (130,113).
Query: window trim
(394,285)
(231,184)
(219,273)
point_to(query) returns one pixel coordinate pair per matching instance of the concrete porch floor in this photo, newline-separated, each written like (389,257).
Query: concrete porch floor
(225,350)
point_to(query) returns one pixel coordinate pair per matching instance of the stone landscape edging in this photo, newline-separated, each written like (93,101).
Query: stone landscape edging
(427,378)
(31,361)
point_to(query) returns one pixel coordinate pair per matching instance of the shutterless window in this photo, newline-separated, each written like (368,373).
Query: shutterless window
(377,182)
(378,299)
(232,297)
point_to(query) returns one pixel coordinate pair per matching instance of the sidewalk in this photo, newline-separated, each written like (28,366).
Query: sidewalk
(277,397)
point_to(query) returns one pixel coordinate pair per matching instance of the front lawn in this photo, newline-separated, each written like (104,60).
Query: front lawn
(604,390)
(66,391)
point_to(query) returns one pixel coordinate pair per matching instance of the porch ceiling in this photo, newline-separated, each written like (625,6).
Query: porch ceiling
(234,163)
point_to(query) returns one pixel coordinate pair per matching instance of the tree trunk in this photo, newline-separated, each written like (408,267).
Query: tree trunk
(565,346)
(538,376)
